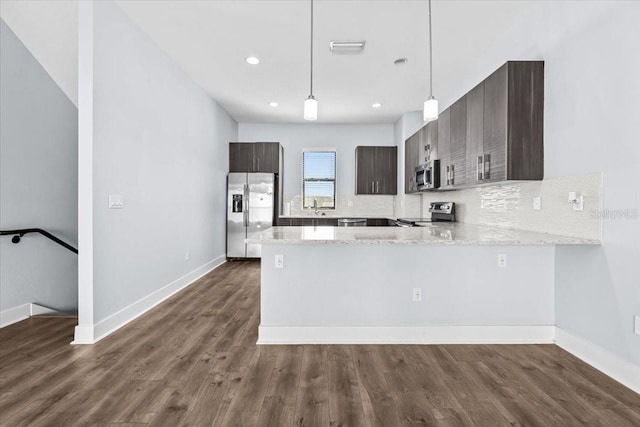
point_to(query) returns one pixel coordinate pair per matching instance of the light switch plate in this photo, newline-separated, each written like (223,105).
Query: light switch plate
(579,205)
(537,203)
(502,260)
(116,201)
(279,261)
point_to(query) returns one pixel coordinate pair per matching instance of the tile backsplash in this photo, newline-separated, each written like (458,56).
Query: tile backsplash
(510,205)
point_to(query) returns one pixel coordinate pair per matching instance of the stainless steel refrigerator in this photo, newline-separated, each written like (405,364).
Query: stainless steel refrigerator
(250,204)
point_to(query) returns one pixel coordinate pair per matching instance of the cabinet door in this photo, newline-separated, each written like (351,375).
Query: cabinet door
(475,133)
(365,172)
(458,144)
(411,160)
(267,157)
(284,222)
(429,142)
(495,126)
(525,141)
(240,157)
(386,170)
(444,142)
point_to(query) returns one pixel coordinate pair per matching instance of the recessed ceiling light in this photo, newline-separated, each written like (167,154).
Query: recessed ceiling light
(273,104)
(401,61)
(376,105)
(252,60)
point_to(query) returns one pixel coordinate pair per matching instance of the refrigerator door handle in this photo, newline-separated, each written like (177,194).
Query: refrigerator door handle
(245,221)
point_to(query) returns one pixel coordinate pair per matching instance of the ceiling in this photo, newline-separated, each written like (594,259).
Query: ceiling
(211,39)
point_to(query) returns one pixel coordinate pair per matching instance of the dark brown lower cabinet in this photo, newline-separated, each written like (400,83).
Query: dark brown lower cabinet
(330,222)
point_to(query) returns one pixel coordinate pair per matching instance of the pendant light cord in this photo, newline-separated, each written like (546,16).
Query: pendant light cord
(430,55)
(311,79)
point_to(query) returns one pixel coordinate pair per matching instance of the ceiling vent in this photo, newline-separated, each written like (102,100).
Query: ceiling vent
(347,47)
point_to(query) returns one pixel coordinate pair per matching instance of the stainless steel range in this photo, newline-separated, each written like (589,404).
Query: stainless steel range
(440,212)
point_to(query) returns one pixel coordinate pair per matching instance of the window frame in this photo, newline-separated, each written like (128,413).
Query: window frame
(335,176)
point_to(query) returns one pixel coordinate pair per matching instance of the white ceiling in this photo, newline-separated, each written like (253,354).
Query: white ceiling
(210,39)
(49,29)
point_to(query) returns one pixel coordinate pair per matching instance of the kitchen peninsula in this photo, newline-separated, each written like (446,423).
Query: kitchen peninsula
(439,283)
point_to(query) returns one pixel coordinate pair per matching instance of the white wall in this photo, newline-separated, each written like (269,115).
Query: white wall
(160,141)
(344,138)
(373,285)
(591,125)
(38,181)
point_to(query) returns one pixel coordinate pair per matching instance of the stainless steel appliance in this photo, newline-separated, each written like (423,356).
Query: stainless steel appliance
(249,209)
(428,175)
(352,222)
(440,212)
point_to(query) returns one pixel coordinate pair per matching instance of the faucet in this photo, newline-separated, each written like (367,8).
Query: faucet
(315,206)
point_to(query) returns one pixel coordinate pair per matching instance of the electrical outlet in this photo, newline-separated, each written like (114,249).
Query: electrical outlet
(417,294)
(537,203)
(636,326)
(279,261)
(116,201)
(350,203)
(187,256)
(502,260)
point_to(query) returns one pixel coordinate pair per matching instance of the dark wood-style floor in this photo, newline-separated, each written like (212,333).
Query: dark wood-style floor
(194,361)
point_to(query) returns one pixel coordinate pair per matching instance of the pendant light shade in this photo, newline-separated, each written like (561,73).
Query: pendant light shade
(311,104)
(311,108)
(430,111)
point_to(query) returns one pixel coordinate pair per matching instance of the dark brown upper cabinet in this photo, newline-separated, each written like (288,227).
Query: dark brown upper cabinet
(376,170)
(421,147)
(494,133)
(511,146)
(255,157)
(444,146)
(458,145)
(428,149)
(411,160)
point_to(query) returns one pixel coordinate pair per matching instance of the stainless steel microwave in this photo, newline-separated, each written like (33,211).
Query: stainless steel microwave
(428,175)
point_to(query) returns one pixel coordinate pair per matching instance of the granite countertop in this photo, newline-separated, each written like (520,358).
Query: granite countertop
(433,234)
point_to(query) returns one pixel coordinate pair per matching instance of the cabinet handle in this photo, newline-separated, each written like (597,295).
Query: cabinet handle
(480,168)
(427,152)
(377,186)
(258,164)
(487,166)
(253,165)
(245,220)
(453,175)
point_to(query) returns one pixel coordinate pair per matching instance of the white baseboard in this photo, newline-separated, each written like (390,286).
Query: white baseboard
(93,334)
(406,334)
(14,315)
(621,370)
(22,312)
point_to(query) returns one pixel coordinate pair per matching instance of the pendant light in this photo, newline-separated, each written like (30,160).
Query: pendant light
(311,104)
(430,111)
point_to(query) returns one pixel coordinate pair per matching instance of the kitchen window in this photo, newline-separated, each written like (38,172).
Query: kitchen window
(319,179)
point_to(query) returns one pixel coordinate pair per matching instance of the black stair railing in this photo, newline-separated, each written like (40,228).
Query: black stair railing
(18,234)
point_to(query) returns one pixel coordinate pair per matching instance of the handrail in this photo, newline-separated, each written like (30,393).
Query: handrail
(18,234)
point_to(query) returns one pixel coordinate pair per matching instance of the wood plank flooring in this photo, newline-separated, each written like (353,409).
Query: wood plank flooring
(193,361)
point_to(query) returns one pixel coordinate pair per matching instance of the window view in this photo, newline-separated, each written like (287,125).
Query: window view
(319,179)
